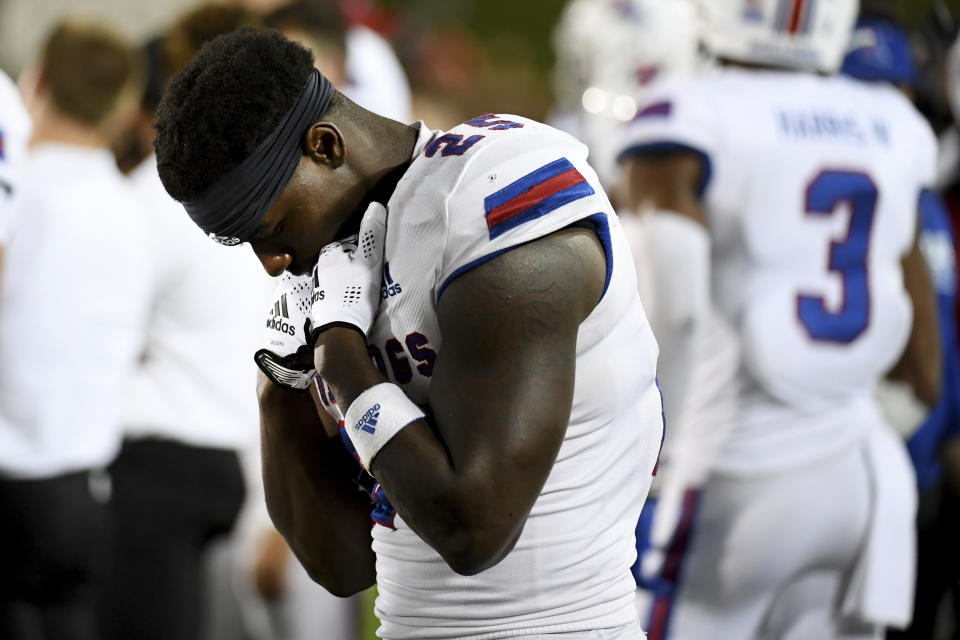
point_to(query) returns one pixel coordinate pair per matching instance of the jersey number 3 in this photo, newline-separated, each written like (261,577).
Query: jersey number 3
(848,257)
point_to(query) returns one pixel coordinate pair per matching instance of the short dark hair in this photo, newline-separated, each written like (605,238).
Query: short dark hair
(87,68)
(223,104)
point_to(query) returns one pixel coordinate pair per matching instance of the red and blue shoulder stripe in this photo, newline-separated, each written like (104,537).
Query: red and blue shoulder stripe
(535,195)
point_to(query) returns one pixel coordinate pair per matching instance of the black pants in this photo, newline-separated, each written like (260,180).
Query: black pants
(170,500)
(938,560)
(54,547)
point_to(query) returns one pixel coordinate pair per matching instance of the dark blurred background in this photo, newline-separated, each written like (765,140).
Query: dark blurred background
(463,56)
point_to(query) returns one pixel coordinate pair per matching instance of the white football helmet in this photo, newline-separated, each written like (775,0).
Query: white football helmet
(810,35)
(623,44)
(608,51)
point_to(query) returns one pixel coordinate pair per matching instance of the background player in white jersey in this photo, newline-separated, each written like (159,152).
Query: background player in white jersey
(608,53)
(808,186)
(507,312)
(622,51)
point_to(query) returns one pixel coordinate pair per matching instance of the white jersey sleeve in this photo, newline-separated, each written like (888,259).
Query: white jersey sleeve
(519,186)
(675,117)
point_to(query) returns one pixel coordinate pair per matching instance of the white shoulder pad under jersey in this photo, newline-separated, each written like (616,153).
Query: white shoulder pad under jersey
(810,186)
(675,115)
(519,180)
(14,133)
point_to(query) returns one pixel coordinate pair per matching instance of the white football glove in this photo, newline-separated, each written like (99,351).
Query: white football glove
(286,357)
(348,276)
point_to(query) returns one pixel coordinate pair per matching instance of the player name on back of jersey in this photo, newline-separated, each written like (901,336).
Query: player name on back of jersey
(820,124)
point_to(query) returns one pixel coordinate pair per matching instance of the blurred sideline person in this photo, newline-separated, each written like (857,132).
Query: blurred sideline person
(880,52)
(354,57)
(14,133)
(71,321)
(318,26)
(189,408)
(626,50)
(510,510)
(800,194)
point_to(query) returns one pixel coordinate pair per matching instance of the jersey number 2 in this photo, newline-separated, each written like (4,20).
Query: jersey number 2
(848,257)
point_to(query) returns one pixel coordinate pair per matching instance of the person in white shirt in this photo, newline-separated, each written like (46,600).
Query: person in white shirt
(354,57)
(72,312)
(189,408)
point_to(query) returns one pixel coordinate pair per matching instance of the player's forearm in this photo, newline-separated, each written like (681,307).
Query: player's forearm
(457,510)
(453,508)
(921,365)
(311,495)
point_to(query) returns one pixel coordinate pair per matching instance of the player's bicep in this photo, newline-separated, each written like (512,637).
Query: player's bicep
(666,182)
(503,385)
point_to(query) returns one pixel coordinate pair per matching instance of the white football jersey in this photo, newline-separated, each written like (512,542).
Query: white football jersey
(472,193)
(811,189)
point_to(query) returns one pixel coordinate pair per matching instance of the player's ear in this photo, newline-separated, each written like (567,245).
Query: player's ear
(324,143)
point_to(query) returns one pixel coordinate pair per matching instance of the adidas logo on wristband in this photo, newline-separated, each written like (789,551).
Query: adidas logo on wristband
(368,422)
(381,412)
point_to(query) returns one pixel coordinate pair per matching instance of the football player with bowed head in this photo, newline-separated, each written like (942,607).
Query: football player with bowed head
(796,192)
(473,313)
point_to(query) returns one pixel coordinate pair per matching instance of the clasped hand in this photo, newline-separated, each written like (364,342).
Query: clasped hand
(343,291)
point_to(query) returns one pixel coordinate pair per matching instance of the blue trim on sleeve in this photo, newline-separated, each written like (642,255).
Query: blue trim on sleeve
(602,228)
(473,265)
(669,147)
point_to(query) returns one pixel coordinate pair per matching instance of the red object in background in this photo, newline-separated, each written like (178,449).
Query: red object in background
(449,61)
(368,14)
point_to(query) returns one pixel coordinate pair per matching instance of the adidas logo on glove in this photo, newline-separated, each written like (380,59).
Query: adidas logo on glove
(278,316)
(368,421)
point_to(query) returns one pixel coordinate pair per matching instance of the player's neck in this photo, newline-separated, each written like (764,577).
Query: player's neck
(388,151)
(380,150)
(51,125)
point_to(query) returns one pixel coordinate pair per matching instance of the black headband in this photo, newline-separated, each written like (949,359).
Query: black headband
(232,208)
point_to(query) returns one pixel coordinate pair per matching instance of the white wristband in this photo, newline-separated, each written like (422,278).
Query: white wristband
(378,414)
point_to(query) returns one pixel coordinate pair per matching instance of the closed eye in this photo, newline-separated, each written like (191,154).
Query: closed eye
(272,233)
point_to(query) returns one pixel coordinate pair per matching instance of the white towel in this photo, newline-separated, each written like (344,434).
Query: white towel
(881,588)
